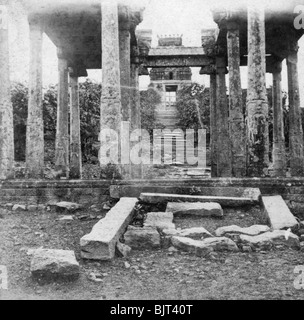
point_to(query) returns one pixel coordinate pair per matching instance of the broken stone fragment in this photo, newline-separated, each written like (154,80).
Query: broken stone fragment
(250,231)
(208,209)
(70,206)
(193,233)
(142,238)
(66,218)
(54,264)
(203,247)
(266,240)
(19,207)
(160,220)
(123,249)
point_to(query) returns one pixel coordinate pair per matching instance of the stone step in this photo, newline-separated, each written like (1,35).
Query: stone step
(278,213)
(101,242)
(136,188)
(224,201)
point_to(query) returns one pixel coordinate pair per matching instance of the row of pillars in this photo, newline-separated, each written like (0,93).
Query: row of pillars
(120,100)
(240,142)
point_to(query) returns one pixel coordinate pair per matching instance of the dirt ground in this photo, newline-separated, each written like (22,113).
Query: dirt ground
(153,275)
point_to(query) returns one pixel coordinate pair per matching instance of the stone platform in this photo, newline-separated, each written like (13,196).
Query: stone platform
(32,192)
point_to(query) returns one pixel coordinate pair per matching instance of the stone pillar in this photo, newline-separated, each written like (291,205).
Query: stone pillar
(35,127)
(75,142)
(6,109)
(237,122)
(213,125)
(257,104)
(136,170)
(222,122)
(295,122)
(110,110)
(125,68)
(62,133)
(278,152)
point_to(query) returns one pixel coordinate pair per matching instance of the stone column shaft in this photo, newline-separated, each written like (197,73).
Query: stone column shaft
(213,125)
(223,141)
(6,109)
(75,141)
(136,170)
(278,152)
(257,104)
(295,121)
(62,133)
(111,95)
(236,123)
(35,126)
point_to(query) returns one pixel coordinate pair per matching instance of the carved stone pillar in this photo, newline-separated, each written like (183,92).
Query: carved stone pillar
(6,109)
(257,104)
(35,127)
(75,142)
(136,170)
(237,122)
(222,112)
(62,133)
(278,152)
(295,122)
(213,125)
(110,110)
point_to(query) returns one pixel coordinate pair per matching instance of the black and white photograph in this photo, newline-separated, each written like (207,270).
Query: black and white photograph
(151,153)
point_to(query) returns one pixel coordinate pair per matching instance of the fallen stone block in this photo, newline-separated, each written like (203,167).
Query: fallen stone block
(66,218)
(54,264)
(208,209)
(142,238)
(160,220)
(266,240)
(193,233)
(123,249)
(250,231)
(19,207)
(70,206)
(101,242)
(223,201)
(278,213)
(203,247)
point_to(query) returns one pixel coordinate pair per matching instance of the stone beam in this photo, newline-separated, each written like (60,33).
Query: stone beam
(177,61)
(257,104)
(35,126)
(6,109)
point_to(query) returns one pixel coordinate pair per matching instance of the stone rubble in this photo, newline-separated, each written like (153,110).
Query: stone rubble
(250,231)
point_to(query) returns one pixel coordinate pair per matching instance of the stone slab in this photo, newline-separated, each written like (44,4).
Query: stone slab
(101,242)
(193,233)
(142,238)
(275,237)
(207,209)
(223,201)
(53,264)
(160,220)
(278,213)
(204,247)
(250,231)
